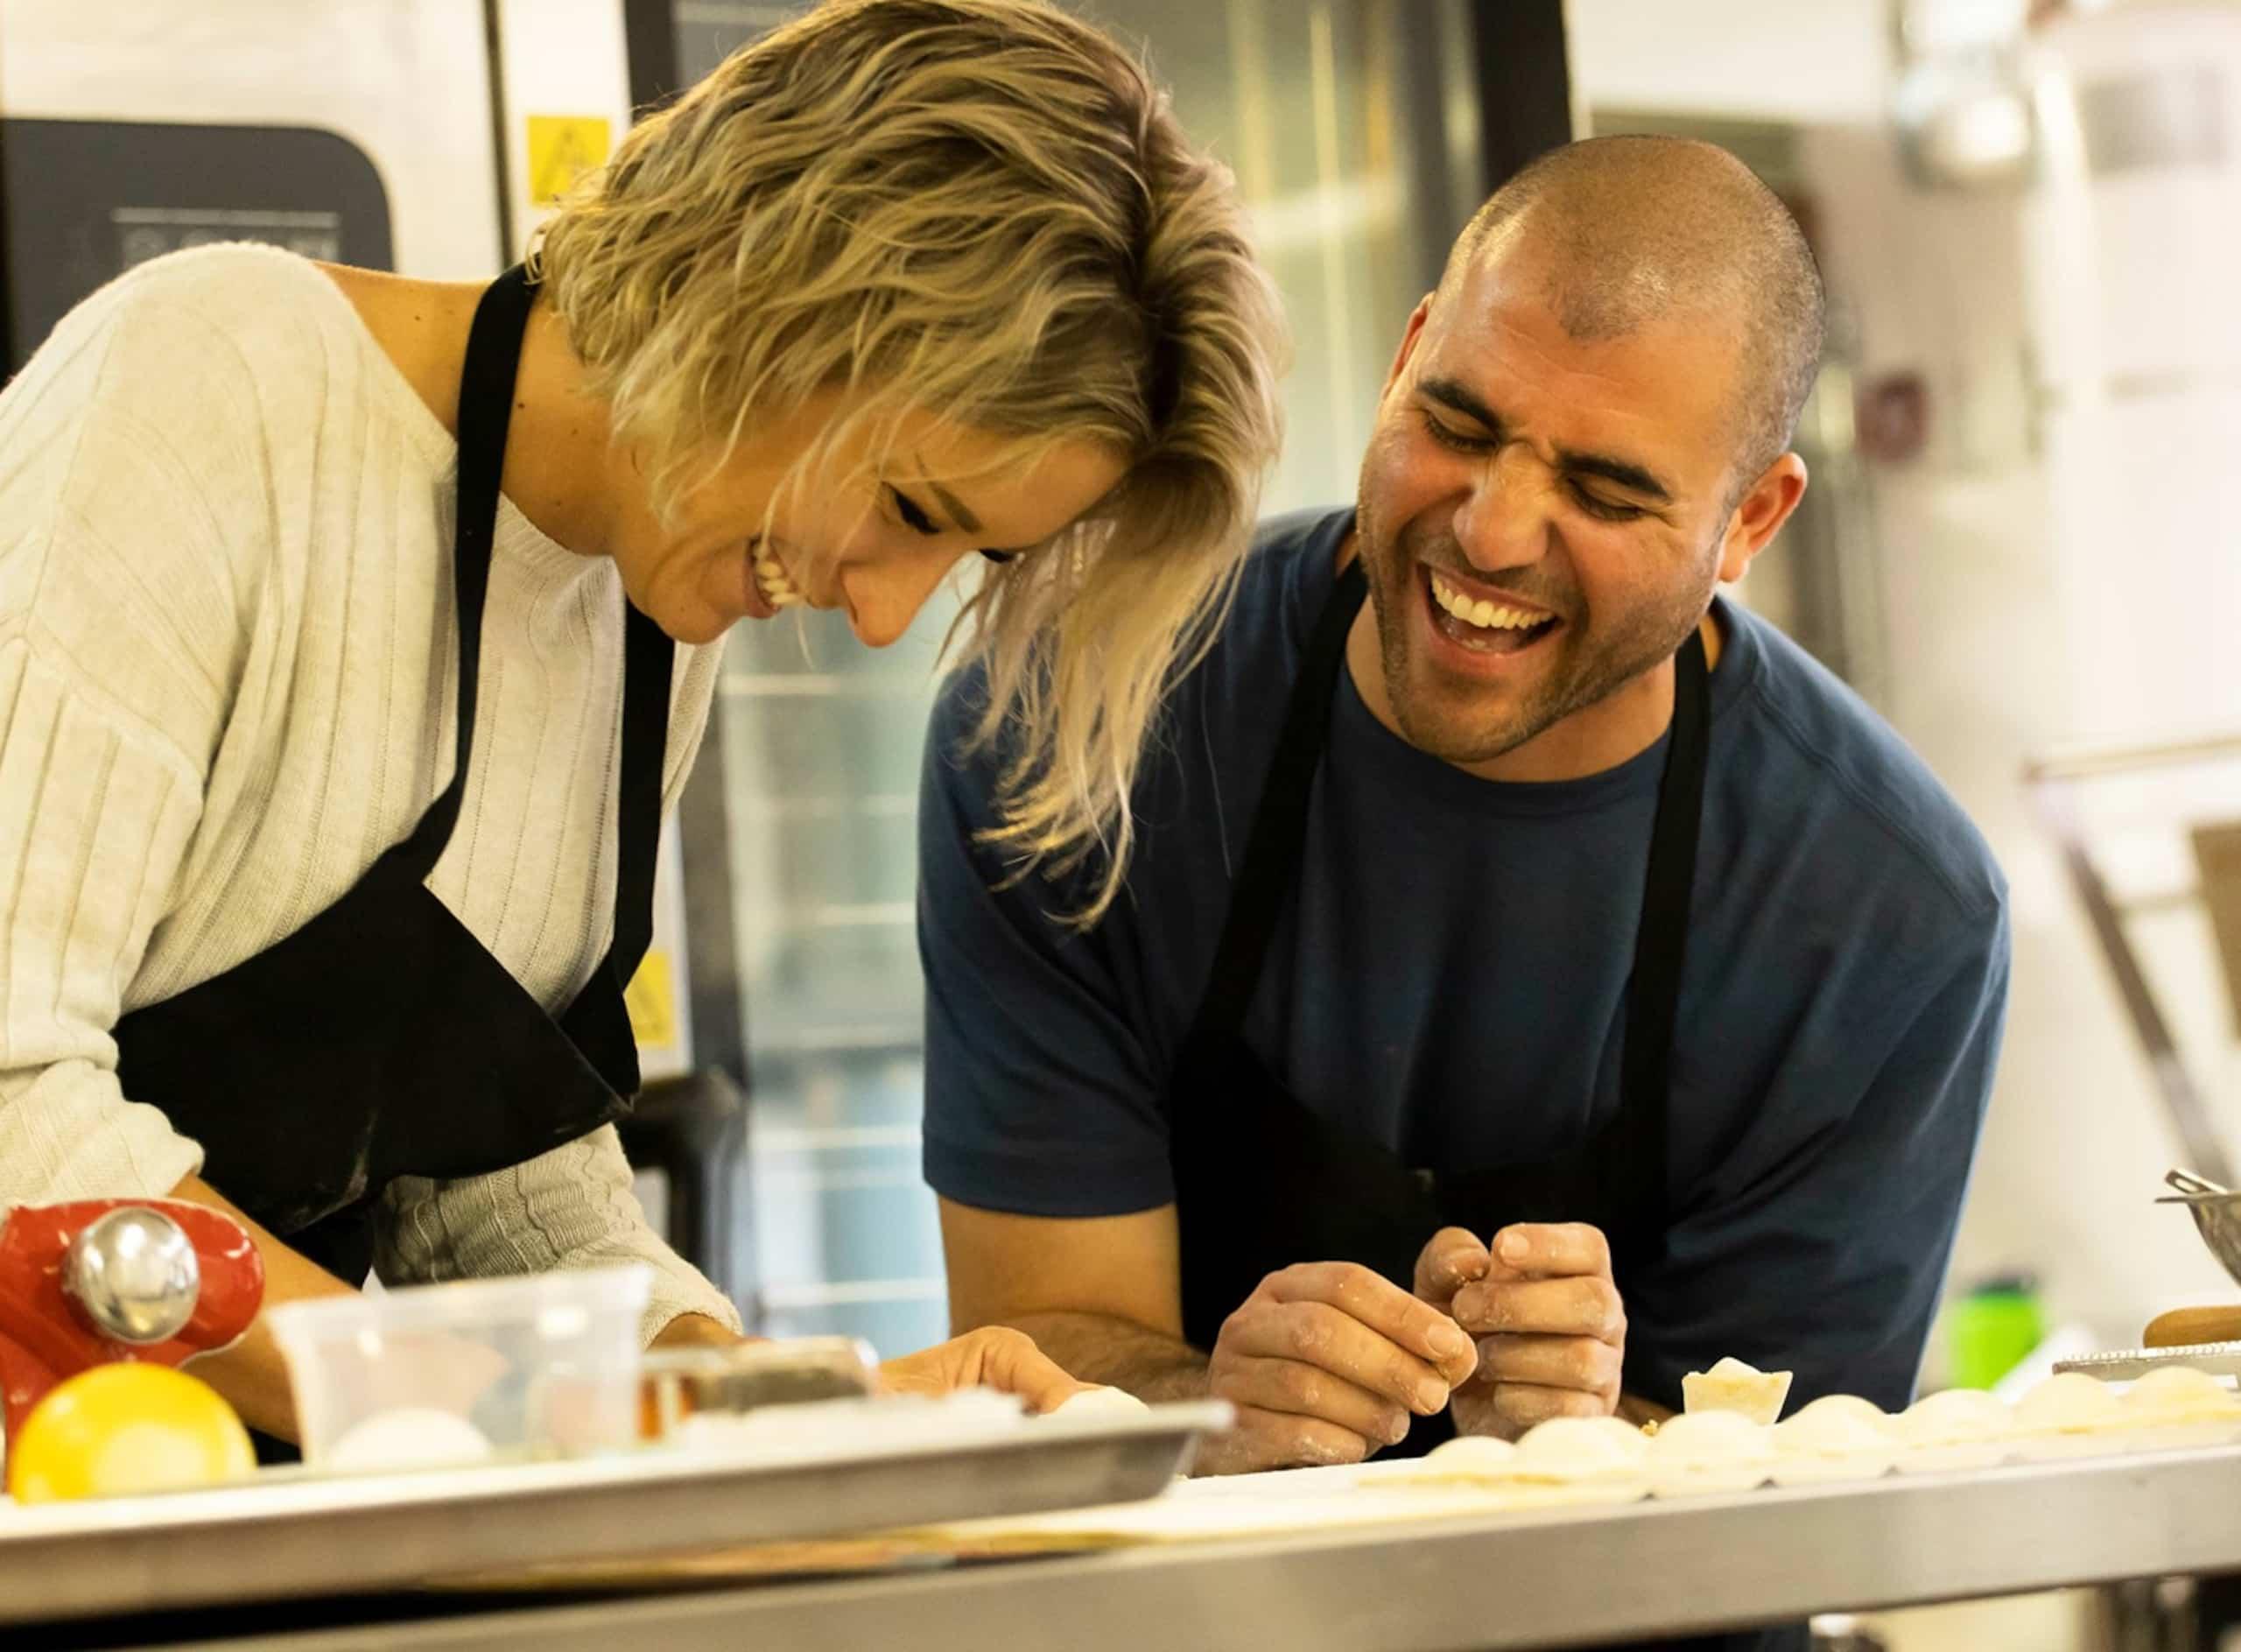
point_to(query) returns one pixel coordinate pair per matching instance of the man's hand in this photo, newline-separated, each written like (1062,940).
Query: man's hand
(1325,1363)
(993,1357)
(1552,1330)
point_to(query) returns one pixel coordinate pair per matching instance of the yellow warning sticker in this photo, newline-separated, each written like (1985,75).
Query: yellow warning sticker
(562,148)
(651,1000)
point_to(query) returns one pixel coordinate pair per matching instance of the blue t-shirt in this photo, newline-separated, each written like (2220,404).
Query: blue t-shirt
(1451,979)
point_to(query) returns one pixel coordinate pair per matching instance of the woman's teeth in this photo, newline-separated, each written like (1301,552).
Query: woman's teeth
(772,582)
(1485,615)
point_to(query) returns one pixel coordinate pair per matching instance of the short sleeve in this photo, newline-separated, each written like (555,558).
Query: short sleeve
(1041,1097)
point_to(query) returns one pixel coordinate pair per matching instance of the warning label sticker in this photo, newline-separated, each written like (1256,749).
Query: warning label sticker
(562,148)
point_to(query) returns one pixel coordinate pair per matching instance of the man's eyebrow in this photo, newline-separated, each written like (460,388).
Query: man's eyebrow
(1625,472)
(1454,394)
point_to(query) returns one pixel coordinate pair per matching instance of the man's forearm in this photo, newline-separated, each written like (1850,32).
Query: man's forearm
(1098,1348)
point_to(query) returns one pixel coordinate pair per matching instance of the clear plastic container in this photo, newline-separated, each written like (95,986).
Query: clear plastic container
(545,1364)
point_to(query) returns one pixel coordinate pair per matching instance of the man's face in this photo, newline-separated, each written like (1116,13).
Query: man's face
(1542,519)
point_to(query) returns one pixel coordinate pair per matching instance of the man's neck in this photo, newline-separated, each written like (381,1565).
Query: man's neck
(1620,725)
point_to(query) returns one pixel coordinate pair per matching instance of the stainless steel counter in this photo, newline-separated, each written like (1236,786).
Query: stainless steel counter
(1498,1581)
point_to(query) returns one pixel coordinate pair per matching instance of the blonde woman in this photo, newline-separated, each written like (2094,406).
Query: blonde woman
(353,630)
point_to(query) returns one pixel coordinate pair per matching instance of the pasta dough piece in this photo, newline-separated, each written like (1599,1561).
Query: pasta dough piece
(1477,1456)
(1838,1437)
(1604,1455)
(1112,1403)
(1733,1386)
(1961,1427)
(2178,1392)
(2176,1405)
(2069,1415)
(1702,1453)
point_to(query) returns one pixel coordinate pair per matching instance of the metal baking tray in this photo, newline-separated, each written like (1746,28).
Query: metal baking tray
(301,1535)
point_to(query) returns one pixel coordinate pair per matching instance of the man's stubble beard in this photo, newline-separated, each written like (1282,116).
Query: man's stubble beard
(1588,666)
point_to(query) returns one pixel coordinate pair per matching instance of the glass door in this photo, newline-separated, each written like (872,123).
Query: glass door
(1337,120)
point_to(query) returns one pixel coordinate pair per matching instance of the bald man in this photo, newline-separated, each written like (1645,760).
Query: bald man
(1536,978)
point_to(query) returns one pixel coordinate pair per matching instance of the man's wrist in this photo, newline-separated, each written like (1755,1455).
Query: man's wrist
(1097,1347)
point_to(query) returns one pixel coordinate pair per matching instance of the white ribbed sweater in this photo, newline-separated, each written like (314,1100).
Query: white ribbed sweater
(227,675)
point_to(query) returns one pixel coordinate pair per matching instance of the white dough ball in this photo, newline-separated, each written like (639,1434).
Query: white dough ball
(1956,1417)
(1958,1429)
(1112,1404)
(1580,1448)
(2178,1392)
(1839,1416)
(2069,1404)
(1840,1436)
(1705,1452)
(1470,1455)
(409,1436)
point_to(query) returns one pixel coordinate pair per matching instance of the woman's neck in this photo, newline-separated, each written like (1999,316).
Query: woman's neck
(560,460)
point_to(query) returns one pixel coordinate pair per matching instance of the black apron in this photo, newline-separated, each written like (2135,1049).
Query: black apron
(1262,1183)
(381,1039)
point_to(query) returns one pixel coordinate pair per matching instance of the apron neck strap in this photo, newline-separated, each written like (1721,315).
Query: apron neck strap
(1279,833)
(648,668)
(485,408)
(1661,943)
(1635,1140)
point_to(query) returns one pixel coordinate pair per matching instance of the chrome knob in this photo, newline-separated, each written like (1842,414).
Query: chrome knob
(135,1274)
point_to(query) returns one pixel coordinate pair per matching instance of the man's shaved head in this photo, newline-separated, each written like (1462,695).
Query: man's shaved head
(1583,433)
(1627,230)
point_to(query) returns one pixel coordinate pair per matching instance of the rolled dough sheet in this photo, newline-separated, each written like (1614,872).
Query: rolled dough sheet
(1193,1511)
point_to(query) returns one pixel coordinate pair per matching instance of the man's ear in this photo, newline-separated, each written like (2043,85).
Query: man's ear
(1760,515)
(1409,338)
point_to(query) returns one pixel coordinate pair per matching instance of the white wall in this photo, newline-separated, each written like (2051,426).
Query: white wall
(2040,581)
(1981,669)
(564,58)
(402,79)
(1797,60)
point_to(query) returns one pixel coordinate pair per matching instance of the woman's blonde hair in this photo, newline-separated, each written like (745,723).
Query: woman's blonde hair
(983,209)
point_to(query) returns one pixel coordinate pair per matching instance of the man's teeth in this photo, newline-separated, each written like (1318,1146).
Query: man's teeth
(771,579)
(1486,616)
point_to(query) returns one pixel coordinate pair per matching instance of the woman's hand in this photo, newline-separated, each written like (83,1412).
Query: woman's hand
(698,1331)
(993,1357)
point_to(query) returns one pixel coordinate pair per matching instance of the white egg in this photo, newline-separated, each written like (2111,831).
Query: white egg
(1708,1451)
(1111,1403)
(409,1436)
